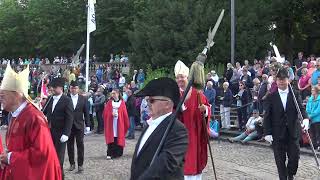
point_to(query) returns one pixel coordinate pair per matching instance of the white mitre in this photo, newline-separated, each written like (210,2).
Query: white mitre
(18,82)
(181,68)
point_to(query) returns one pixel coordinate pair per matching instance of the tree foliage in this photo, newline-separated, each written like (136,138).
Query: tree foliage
(158,32)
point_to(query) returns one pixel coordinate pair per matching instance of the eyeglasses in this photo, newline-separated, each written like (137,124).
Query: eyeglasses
(240,84)
(152,100)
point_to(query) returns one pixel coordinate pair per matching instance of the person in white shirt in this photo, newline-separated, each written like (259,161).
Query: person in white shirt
(215,77)
(122,81)
(282,125)
(169,163)
(250,133)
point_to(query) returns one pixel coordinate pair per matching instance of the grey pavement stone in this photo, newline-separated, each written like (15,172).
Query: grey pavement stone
(232,161)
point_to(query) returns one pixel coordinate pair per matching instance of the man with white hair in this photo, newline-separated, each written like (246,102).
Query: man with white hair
(30,151)
(215,77)
(192,117)
(210,93)
(298,71)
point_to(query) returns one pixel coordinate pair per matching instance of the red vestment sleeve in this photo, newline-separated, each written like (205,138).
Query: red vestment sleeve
(33,154)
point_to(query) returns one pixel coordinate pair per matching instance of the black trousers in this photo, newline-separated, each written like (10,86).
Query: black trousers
(114,150)
(283,149)
(315,134)
(76,134)
(242,117)
(100,122)
(60,147)
(91,122)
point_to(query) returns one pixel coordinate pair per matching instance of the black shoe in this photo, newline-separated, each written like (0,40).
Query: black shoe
(72,167)
(80,169)
(244,142)
(290,177)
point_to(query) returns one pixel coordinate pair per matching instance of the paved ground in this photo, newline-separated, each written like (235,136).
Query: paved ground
(232,161)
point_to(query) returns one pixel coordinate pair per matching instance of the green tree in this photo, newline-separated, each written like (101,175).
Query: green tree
(114,19)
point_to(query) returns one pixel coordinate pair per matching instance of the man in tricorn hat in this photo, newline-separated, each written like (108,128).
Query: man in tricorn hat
(59,113)
(282,127)
(170,161)
(30,152)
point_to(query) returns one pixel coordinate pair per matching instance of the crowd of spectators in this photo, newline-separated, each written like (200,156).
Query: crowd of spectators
(243,88)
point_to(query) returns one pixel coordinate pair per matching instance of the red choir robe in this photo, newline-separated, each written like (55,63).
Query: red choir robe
(1,146)
(33,155)
(123,123)
(197,155)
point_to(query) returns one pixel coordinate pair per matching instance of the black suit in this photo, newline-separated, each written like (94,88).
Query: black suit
(80,115)
(60,123)
(170,161)
(284,126)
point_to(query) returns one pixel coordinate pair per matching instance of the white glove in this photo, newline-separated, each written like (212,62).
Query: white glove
(268,138)
(64,138)
(87,129)
(305,124)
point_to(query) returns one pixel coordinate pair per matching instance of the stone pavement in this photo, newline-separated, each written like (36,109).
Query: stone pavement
(232,161)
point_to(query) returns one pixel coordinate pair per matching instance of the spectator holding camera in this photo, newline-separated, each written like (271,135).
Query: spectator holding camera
(242,100)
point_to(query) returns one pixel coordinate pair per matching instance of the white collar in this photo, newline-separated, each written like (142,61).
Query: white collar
(116,104)
(158,120)
(283,91)
(18,111)
(74,96)
(57,97)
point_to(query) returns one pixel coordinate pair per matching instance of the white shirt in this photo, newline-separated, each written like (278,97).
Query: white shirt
(14,115)
(153,124)
(251,121)
(122,81)
(55,101)
(284,97)
(74,100)
(115,108)
(18,111)
(215,78)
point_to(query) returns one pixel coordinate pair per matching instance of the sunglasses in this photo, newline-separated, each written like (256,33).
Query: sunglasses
(152,100)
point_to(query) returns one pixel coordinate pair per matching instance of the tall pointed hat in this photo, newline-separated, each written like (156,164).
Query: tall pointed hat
(18,82)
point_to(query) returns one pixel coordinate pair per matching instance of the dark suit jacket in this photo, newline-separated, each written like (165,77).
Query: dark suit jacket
(61,120)
(170,161)
(80,113)
(279,122)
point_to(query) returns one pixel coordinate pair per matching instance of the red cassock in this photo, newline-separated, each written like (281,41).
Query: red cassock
(33,155)
(1,146)
(192,118)
(123,123)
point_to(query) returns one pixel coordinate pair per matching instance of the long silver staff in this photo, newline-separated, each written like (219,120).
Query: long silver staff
(301,119)
(196,79)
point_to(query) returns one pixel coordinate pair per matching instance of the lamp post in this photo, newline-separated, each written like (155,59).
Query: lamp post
(233,31)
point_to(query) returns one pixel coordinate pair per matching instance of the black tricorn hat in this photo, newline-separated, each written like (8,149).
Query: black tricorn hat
(57,82)
(163,86)
(283,73)
(74,83)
